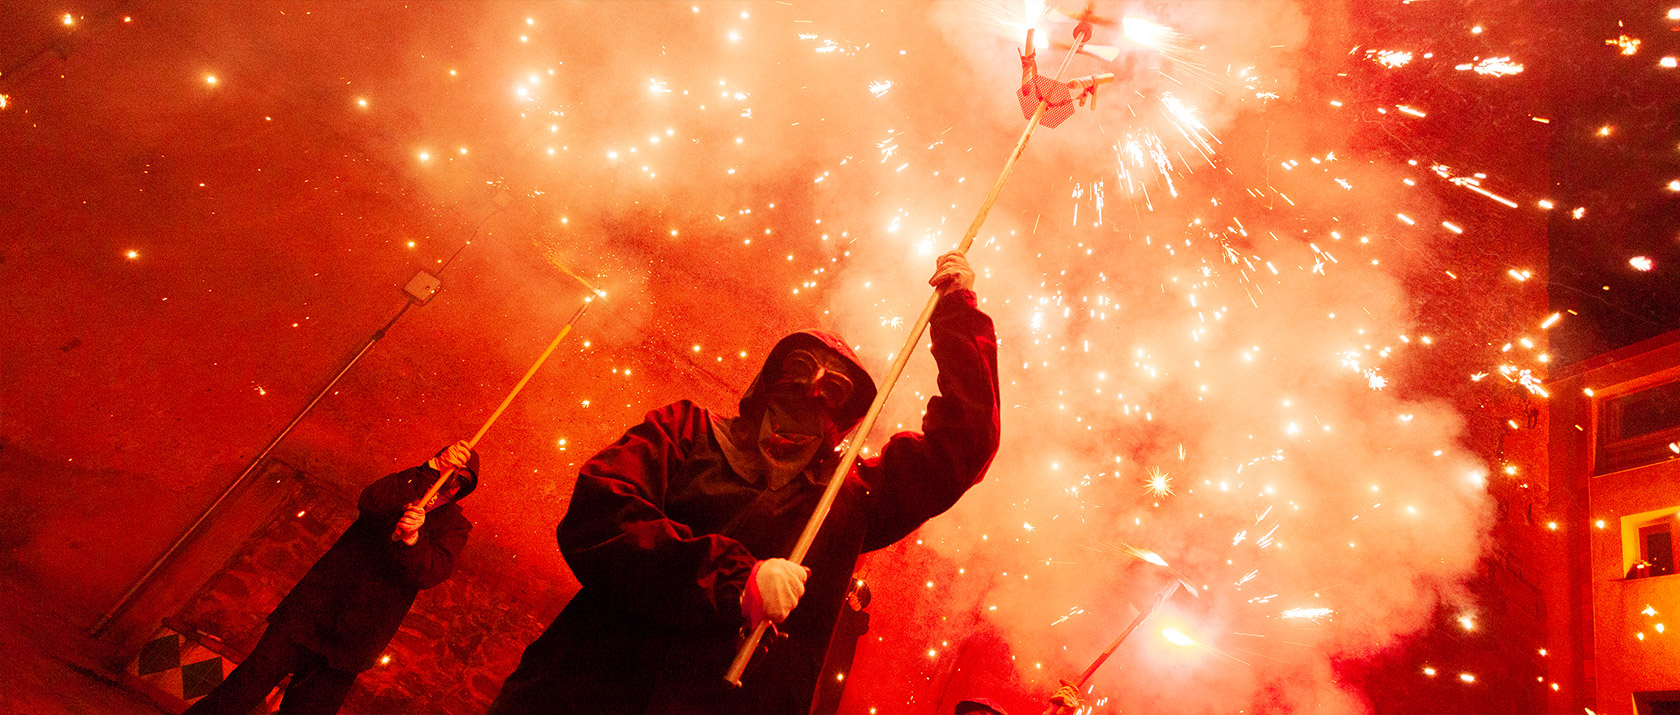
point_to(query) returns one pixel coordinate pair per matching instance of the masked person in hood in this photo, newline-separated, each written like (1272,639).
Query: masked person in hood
(335,622)
(677,530)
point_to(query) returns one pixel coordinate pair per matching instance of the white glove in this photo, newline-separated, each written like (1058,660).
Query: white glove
(454,457)
(773,589)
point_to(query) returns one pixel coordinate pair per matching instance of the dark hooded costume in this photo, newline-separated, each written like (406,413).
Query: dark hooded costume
(351,602)
(341,615)
(662,534)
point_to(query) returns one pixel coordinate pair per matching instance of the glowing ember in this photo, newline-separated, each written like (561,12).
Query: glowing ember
(1493,67)
(1390,58)
(1641,263)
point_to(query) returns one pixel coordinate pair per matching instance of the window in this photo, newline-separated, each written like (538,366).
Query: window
(1637,428)
(1656,550)
(1648,543)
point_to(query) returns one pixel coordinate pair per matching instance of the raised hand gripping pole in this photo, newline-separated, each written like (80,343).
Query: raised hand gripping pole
(1059,706)
(443,478)
(1166,593)
(849,457)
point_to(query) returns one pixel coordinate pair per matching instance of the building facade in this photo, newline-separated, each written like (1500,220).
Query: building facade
(1613,601)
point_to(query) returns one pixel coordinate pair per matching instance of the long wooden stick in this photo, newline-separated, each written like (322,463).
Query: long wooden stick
(1085,677)
(443,477)
(1160,598)
(744,655)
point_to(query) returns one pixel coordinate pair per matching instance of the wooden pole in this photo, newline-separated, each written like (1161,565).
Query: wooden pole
(745,653)
(1085,677)
(443,478)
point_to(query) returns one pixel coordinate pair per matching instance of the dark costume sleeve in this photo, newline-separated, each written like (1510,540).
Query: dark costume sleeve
(396,491)
(431,559)
(918,476)
(619,542)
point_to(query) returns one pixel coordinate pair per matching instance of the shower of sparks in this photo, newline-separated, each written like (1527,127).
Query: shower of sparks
(1146,33)
(1158,483)
(1220,271)
(1032,14)
(1629,45)
(1641,263)
(1188,124)
(1010,20)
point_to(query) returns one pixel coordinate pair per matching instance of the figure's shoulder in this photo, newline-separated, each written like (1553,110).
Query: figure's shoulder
(865,474)
(682,420)
(678,413)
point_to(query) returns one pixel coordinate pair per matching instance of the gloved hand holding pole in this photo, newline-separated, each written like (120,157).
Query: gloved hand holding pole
(444,474)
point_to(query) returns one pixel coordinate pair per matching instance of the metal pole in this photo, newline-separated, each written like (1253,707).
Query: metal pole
(145,578)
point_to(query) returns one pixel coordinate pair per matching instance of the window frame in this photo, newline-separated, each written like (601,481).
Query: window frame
(1610,456)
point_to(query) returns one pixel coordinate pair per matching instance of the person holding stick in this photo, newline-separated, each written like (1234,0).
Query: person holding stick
(676,531)
(334,623)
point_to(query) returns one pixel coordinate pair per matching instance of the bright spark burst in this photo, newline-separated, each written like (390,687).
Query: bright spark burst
(1176,637)
(1641,263)
(1158,483)
(1146,33)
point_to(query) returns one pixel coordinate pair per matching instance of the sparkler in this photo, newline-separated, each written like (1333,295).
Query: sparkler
(1055,94)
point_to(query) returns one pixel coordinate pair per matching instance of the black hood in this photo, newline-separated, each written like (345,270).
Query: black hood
(753,401)
(468,474)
